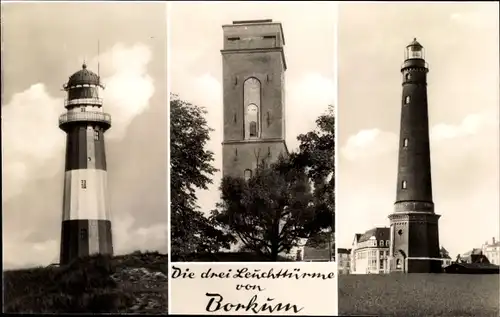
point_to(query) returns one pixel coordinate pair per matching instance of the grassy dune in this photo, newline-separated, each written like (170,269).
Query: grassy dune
(453,295)
(134,283)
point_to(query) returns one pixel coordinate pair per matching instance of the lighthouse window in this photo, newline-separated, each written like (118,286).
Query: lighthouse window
(408,76)
(403,185)
(96,135)
(84,184)
(248,174)
(83,234)
(405,143)
(407,100)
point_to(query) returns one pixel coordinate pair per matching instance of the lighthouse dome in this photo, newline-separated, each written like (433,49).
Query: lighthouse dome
(83,76)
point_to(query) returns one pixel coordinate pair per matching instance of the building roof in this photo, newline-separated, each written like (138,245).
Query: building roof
(444,253)
(475,251)
(415,43)
(315,254)
(83,76)
(378,232)
(343,250)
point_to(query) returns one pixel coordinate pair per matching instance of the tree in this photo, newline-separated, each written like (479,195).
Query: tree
(271,211)
(190,169)
(317,156)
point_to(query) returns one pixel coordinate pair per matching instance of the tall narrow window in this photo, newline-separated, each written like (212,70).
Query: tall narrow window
(403,184)
(253,129)
(251,92)
(407,100)
(96,135)
(405,143)
(84,184)
(82,109)
(247,174)
(408,76)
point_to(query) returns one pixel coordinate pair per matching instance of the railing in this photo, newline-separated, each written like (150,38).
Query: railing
(83,101)
(87,116)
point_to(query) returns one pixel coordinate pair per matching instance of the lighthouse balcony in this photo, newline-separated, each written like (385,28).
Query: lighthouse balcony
(92,117)
(83,101)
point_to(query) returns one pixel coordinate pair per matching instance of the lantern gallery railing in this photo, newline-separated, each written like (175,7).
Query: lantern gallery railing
(87,116)
(83,101)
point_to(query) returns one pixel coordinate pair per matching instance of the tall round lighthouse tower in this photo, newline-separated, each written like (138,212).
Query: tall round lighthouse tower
(86,225)
(414,225)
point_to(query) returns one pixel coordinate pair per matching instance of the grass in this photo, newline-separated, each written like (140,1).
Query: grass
(134,283)
(453,295)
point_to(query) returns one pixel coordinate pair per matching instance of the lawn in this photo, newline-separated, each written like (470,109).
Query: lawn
(453,295)
(134,283)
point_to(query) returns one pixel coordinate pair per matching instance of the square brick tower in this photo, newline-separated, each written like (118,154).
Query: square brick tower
(414,225)
(253,64)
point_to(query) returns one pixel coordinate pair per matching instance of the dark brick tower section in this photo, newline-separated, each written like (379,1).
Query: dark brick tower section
(414,225)
(254,65)
(86,225)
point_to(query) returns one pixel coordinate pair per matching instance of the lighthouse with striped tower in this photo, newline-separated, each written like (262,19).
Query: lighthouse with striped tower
(86,224)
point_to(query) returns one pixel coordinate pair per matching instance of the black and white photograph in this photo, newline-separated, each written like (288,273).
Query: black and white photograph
(418,182)
(84,149)
(252,132)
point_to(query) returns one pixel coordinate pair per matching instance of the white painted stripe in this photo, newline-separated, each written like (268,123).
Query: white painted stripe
(93,237)
(86,203)
(90,108)
(90,148)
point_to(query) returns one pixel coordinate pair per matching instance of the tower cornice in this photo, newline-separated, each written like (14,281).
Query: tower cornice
(257,50)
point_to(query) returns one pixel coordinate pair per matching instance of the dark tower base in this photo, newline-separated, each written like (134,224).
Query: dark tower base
(425,266)
(415,240)
(82,238)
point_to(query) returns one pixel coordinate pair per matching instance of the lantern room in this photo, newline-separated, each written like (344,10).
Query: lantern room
(414,50)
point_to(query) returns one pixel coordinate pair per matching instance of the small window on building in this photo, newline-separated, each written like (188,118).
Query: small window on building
(96,135)
(403,184)
(248,174)
(408,76)
(84,183)
(381,243)
(400,231)
(398,264)
(407,100)
(89,158)
(386,243)
(83,234)
(82,109)
(405,143)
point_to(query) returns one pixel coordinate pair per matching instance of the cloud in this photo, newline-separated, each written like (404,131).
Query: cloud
(470,125)
(367,144)
(370,143)
(30,135)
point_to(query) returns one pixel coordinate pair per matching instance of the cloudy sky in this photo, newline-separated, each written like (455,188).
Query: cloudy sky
(43,44)
(195,67)
(461,41)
